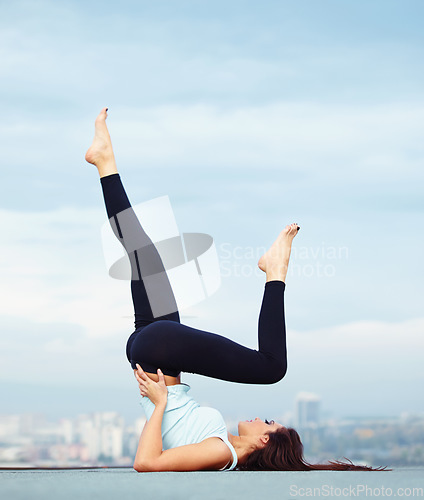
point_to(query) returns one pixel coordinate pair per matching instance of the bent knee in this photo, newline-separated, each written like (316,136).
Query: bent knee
(277,373)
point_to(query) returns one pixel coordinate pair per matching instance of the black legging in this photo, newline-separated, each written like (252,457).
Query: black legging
(163,342)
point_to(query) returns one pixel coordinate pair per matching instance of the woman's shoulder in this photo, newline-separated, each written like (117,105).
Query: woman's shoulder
(217,429)
(221,449)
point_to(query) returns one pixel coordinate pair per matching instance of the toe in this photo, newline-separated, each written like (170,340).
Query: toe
(102,115)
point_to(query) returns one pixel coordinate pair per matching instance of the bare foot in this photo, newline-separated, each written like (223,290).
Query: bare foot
(100,153)
(275,261)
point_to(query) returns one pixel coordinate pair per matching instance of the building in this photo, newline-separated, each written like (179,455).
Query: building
(307,413)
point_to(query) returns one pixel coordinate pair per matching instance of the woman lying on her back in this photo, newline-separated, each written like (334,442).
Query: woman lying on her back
(179,434)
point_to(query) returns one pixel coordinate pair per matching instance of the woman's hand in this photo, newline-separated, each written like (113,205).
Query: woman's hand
(155,391)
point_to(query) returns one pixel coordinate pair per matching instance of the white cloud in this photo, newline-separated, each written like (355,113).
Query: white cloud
(299,135)
(53,271)
(327,142)
(381,342)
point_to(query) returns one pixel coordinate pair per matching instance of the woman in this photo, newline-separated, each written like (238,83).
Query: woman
(180,435)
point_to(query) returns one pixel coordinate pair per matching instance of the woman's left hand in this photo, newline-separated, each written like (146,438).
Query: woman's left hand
(155,391)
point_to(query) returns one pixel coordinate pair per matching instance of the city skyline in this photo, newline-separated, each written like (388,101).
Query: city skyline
(106,439)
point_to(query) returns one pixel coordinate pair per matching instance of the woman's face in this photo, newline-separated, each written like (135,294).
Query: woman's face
(257,427)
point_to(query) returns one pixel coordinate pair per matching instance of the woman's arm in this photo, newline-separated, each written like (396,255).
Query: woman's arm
(150,443)
(210,454)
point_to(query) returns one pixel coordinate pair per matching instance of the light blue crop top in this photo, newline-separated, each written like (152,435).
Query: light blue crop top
(186,422)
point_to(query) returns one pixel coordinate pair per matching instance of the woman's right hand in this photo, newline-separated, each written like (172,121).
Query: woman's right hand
(155,391)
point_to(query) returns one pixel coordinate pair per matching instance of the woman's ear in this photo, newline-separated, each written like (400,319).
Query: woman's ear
(264,439)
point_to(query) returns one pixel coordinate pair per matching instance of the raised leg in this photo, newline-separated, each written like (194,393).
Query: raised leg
(144,258)
(176,348)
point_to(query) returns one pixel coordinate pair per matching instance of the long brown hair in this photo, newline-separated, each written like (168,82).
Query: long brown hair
(284,451)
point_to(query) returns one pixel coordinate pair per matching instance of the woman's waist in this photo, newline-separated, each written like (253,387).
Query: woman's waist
(178,399)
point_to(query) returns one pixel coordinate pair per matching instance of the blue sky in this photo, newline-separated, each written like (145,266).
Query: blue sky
(248,116)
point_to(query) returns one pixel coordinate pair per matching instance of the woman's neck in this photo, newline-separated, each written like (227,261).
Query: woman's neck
(243,446)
